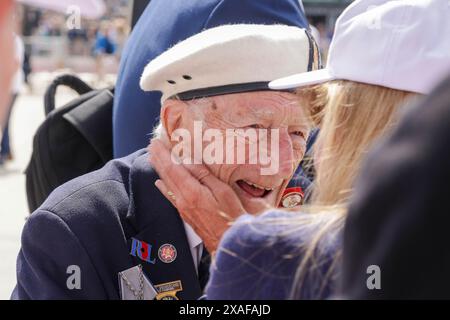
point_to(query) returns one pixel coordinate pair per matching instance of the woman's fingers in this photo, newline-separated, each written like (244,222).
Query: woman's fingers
(190,194)
(193,186)
(222,192)
(175,176)
(203,201)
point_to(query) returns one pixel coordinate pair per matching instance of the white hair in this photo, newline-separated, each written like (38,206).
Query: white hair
(159,131)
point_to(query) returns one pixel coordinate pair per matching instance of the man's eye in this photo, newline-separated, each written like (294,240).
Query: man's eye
(299,133)
(256,126)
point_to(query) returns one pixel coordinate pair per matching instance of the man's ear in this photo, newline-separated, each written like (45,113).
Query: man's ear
(171,115)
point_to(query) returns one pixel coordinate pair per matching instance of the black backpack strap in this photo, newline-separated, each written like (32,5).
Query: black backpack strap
(67,80)
(93,119)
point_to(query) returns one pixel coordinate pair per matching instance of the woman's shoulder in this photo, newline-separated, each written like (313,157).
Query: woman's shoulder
(264,252)
(282,229)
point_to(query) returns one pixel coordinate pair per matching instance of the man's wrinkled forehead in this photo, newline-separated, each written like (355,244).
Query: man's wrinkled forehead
(260,101)
(262,106)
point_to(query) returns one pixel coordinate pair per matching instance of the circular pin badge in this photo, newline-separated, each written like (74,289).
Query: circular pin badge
(292,197)
(167,253)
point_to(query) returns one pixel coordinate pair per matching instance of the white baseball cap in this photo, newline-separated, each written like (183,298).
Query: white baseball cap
(403,44)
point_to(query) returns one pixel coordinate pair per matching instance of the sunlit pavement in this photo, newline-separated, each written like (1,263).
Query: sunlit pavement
(27,115)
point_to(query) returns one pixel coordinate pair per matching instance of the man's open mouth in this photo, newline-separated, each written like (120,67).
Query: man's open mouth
(253,189)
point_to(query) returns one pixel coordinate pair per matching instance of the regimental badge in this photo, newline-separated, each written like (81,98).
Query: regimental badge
(142,250)
(167,253)
(292,197)
(168,291)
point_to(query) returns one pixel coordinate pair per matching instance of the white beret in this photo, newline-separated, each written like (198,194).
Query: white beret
(230,59)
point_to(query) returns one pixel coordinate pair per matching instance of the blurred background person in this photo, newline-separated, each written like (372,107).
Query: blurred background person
(7,56)
(17,83)
(27,69)
(78,40)
(104,46)
(120,34)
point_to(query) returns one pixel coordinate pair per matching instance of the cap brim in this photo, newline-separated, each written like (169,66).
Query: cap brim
(301,80)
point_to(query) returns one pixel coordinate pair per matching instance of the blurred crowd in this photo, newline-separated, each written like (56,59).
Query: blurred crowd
(52,42)
(42,35)
(83,40)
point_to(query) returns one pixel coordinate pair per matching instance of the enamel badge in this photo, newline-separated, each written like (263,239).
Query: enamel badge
(167,253)
(292,197)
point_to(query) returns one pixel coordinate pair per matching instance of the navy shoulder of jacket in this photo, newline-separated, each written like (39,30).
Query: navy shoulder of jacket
(89,223)
(259,259)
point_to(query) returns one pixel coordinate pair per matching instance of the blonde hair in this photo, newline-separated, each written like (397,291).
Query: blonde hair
(351,116)
(354,117)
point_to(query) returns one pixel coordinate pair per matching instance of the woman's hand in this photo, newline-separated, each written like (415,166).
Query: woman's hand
(203,201)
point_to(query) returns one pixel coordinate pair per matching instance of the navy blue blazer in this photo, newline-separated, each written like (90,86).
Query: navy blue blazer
(258,259)
(163,24)
(90,222)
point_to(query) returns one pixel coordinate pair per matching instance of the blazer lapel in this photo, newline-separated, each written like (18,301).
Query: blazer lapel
(160,244)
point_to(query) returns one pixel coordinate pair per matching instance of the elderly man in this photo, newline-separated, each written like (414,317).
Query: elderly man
(111,234)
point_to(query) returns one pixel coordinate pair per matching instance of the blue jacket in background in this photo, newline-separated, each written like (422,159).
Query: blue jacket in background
(162,25)
(259,257)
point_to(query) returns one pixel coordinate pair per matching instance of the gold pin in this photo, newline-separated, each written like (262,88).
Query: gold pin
(168,290)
